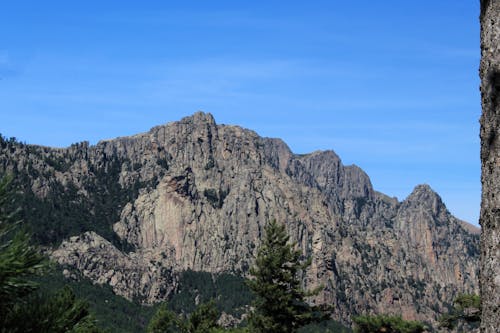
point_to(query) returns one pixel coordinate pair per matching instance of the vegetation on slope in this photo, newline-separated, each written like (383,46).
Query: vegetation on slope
(23,307)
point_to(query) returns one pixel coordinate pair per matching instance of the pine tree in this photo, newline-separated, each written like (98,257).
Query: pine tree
(19,261)
(58,312)
(280,304)
(22,308)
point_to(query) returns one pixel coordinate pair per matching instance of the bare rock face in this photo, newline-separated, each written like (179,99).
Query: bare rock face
(196,195)
(490,165)
(97,259)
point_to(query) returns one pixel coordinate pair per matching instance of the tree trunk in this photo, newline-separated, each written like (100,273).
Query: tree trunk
(490,166)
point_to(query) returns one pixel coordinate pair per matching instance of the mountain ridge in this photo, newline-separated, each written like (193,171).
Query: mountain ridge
(201,117)
(196,195)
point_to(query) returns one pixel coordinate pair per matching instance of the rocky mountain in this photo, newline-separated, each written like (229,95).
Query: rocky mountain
(135,212)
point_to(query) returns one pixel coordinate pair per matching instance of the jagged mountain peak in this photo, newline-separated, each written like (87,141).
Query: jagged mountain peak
(196,195)
(428,200)
(346,182)
(425,197)
(326,154)
(422,190)
(198,118)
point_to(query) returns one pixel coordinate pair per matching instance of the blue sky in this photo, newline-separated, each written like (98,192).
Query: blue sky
(391,86)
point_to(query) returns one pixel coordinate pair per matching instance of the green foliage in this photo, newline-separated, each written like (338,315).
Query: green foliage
(230,330)
(467,309)
(202,320)
(107,197)
(280,304)
(192,285)
(122,316)
(231,293)
(7,216)
(468,301)
(64,212)
(59,163)
(110,311)
(19,261)
(94,204)
(327,326)
(22,307)
(387,324)
(164,321)
(59,312)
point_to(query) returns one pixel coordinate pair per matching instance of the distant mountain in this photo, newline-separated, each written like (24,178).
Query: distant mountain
(135,212)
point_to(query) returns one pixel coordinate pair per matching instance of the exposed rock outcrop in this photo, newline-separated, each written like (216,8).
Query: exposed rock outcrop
(196,195)
(97,259)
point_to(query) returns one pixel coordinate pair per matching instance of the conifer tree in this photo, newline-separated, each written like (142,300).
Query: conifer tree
(280,305)
(22,308)
(57,312)
(19,261)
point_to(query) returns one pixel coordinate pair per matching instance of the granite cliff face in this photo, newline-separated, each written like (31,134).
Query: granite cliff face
(196,195)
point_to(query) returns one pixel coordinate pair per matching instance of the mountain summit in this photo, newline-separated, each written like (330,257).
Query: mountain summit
(134,212)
